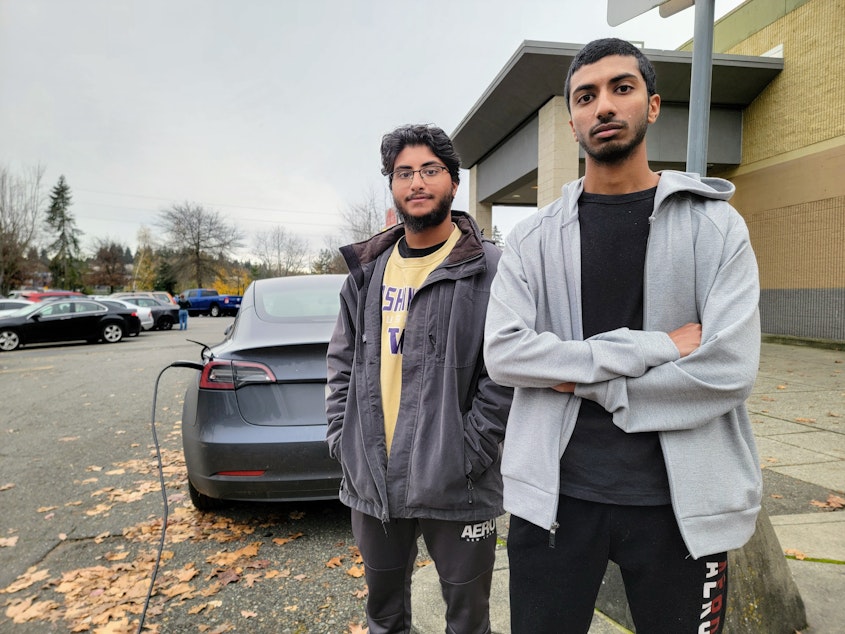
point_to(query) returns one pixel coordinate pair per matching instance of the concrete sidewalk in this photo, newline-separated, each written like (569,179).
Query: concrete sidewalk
(798,412)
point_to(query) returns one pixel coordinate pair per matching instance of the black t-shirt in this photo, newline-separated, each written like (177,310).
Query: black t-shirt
(602,463)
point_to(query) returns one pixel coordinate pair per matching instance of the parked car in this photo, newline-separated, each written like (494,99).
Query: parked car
(8,305)
(165,314)
(38,296)
(162,296)
(254,420)
(145,315)
(207,301)
(66,320)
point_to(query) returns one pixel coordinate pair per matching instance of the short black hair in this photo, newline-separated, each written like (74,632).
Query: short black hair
(426,134)
(598,49)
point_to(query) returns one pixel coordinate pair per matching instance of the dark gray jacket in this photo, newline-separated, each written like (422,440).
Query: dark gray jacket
(445,457)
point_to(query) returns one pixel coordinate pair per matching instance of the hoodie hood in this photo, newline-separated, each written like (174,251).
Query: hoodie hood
(671,182)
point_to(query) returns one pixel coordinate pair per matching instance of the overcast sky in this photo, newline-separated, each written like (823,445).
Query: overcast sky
(269,111)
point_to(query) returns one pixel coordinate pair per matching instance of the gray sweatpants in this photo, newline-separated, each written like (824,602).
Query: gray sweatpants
(463,553)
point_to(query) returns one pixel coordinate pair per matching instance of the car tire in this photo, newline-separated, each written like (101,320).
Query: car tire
(9,340)
(165,323)
(201,501)
(112,332)
(214,311)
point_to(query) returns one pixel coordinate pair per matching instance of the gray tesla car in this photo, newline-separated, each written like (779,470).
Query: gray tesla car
(254,420)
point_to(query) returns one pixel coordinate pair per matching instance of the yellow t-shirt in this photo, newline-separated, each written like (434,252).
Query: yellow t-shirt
(402,278)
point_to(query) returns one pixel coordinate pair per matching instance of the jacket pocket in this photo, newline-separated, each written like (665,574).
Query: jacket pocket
(437,477)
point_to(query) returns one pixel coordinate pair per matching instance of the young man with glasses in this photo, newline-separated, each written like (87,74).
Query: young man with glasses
(414,419)
(625,315)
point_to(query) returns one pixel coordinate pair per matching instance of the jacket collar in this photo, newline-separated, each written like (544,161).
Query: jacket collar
(469,245)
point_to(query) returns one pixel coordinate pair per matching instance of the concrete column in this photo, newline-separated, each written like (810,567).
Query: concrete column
(482,212)
(557,160)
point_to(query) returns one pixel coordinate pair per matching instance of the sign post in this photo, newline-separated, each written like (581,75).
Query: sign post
(699,97)
(619,11)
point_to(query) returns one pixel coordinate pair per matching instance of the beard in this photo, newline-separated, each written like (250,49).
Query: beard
(434,218)
(615,152)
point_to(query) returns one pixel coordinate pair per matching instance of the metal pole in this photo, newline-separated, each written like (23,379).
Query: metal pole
(699,100)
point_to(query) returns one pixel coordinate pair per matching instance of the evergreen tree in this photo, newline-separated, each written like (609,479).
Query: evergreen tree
(65,263)
(497,238)
(328,261)
(165,277)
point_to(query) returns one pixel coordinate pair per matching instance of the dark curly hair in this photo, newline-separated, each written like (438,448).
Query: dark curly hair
(430,135)
(599,49)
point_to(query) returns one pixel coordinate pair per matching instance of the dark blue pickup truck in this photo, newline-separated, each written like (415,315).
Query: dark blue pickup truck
(207,301)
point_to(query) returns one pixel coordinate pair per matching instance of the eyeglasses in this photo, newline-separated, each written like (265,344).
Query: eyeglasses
(426,173)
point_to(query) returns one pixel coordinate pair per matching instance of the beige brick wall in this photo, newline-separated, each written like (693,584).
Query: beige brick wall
(802,245)
(482,212)
(804,104)
(557,160)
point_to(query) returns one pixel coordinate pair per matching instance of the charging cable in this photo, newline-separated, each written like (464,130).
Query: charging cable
(176,364)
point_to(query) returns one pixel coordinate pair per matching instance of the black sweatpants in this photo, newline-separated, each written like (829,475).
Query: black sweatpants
(463,553)
(553,589)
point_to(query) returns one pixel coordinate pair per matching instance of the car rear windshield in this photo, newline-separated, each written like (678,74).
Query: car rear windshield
(298,304)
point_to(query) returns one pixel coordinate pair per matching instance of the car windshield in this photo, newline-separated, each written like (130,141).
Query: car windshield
(298,302)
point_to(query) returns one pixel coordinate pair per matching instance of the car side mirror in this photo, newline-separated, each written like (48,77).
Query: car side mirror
(35,317)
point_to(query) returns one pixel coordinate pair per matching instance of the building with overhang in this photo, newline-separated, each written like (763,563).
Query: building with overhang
(777,131)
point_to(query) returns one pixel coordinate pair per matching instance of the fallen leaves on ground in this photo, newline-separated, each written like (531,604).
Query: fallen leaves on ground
(792,552)
(833,503)
(108,598)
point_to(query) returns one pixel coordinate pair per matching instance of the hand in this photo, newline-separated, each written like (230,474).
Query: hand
(564,387)
(687,338)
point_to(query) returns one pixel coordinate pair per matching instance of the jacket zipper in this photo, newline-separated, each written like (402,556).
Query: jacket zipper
(470,490)
(552,534)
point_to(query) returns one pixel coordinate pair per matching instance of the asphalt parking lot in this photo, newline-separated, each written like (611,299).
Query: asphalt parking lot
(82,508)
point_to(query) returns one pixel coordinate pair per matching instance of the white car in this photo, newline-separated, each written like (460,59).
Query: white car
(11,305)
(144,314)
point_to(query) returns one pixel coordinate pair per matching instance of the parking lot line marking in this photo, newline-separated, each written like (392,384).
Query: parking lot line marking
(18,370)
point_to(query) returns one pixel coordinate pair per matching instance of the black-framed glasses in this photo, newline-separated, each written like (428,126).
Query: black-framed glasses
(426,173)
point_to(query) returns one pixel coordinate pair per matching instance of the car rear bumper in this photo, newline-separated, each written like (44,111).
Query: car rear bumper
(295,462)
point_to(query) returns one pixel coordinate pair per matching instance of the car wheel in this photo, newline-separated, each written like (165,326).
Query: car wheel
(201,501)
(9,340)
(112,333)
(214,311)
(165,323)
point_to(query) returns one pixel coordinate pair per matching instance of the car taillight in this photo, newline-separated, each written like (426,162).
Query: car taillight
(225,300)
(231,375)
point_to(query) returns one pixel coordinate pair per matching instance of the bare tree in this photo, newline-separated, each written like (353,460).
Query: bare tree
(200,239)
(21,198)
(367,217)
(280,252)
(108,268)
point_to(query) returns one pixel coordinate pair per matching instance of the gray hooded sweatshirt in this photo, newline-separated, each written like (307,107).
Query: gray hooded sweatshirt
(699,268)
